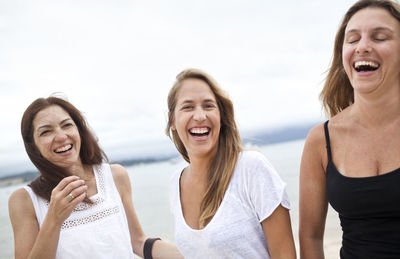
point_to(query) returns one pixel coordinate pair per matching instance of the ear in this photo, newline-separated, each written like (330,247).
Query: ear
(172,123)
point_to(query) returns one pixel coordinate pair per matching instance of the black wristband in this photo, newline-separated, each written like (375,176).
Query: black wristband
(148,246)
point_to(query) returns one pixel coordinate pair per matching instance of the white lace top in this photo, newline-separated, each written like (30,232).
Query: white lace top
(235,231)
(98,230)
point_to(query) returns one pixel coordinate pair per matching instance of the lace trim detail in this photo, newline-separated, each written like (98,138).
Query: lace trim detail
(84,205)
(97,216)
(101,189)
(100,176)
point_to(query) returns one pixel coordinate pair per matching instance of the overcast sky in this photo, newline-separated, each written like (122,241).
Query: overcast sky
(116,61)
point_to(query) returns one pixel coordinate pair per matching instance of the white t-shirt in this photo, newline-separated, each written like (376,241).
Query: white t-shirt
(235,231)
(98,230)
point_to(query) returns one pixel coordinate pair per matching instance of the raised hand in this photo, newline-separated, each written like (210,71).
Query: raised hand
(69,192)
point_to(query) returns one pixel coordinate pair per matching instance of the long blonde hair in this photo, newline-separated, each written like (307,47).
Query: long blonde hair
(338,93)
(229,143)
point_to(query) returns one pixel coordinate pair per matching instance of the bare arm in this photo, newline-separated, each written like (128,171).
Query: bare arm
(278,232)
(313,201)
(29,240)
(161,249)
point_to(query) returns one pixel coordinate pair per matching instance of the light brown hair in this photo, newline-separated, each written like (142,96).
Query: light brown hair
(229,143)
(338,93)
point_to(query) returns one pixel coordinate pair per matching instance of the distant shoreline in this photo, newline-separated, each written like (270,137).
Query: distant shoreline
(260,137)
(28,176)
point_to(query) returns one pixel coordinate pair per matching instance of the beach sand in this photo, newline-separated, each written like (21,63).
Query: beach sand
(150,195)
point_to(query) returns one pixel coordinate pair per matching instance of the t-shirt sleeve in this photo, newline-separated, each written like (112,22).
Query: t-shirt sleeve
(265,189)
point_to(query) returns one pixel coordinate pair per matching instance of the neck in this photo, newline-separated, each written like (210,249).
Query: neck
(84,172)
(200,162)
(375,112)
(198,168)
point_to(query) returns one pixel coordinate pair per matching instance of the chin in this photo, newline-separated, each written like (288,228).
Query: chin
(364,88)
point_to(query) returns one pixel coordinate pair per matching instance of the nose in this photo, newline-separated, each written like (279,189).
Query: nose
(60,135)
(199,114)
(364,46)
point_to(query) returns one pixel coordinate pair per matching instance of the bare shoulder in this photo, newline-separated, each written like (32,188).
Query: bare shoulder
(20,197)
(121,178)
(118,171)
(20,205)
(314,152)
(316,137)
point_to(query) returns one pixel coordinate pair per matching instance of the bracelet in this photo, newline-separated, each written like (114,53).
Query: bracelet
(148,246)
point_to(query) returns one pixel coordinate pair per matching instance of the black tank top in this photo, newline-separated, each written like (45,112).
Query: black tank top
(369,211)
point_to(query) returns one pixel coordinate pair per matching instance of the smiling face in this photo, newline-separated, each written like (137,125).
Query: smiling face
(371,50)
(197,118)
(56,136)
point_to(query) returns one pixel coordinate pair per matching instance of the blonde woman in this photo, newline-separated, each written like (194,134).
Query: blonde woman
(352,161)
(227,202)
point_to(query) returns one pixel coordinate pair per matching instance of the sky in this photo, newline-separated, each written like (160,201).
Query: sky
(116,61)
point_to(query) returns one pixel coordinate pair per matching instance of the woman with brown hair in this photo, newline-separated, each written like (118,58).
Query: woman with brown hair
(227,202)
(79,206)
(353,162)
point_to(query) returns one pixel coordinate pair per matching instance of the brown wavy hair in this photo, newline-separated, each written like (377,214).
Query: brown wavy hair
(51,174)
(229,143)
(337,93)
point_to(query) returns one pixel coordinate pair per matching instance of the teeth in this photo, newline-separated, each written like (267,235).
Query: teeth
(62,149)
(366,63)
(199,130)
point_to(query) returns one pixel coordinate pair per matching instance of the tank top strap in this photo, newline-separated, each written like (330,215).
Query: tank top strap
(328,143)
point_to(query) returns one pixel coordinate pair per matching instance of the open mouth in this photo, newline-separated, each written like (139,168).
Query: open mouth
(198,132)
(365,66)
(63,149)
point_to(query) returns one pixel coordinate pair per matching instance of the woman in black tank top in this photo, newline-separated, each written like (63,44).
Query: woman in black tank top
(352,162)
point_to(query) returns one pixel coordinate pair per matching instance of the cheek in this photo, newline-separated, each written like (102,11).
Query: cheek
(217,118)
(217,124)
(179,120)
(387,54)
(346,59)
(179,126)
(180,132)
(39,145)
(76,136)
(42,149)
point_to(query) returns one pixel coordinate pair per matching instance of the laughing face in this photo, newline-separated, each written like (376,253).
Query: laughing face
(371,51)
(197,118)
(56,136)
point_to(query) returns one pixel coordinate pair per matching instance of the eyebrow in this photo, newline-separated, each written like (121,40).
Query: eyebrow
(204,101)
(375,29)
(49,126)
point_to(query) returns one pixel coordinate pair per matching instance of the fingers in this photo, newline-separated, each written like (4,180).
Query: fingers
(65,197)
(71,196)
(77,193)
(74,188)
(64,182)
(69,189)
(76,200)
